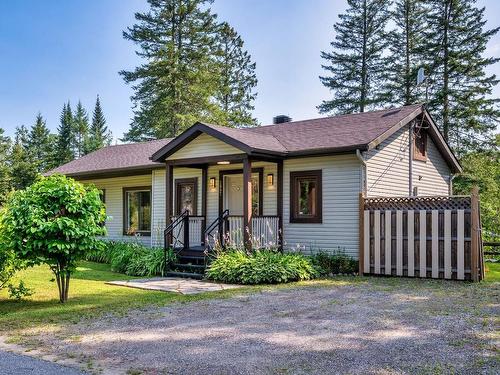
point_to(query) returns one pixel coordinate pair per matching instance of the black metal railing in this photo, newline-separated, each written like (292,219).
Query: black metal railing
(220,223)
(168,236)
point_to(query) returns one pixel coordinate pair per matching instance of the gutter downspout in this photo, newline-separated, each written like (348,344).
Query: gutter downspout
(450,186)
(410,162)
(364,181)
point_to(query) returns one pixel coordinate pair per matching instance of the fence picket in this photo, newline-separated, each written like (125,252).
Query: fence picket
(366,239)
(376,229)
(411,243)
(460,245)
(435,243)
(423,244)
(399,242)
(447,244)
(388,240)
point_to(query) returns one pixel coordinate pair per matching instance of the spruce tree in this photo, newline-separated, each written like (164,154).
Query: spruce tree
(460,88)
(41,145)
(99,135)
(4,166)
(23,170)
(237,82)
(357,68)
(64,152)
(174,85)
(407,51)
(80,130)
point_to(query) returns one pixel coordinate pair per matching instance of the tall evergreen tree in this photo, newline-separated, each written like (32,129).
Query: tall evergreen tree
(174,85)
(80,130)
(407,49)
(235,93)
(459,85)
(64,152)
(22,169)
(357,68)
(41,145)
(4,166)
(99,135)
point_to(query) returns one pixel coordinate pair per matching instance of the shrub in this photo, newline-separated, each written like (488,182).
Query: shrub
(132,258)
(55,221)
(260,267)
(20,291)
(336,263)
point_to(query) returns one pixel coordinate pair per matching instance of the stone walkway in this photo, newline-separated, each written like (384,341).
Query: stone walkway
(175,284)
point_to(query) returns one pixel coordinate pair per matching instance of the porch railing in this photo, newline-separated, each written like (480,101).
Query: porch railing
(265,231)
(189,235)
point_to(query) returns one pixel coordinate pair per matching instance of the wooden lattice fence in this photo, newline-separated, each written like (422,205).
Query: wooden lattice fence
(435,237)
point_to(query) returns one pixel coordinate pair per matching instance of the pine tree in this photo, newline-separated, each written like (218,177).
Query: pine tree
(407,46)
(99,135)
(22,169)
(80,130)
(235,93)
(175,84)
(460,88)
(41,145)
(4,166)
(357,69)
(64,152)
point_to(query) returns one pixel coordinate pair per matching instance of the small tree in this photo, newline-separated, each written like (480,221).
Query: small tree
(55,221)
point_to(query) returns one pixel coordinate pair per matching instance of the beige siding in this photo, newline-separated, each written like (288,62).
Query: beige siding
(341,187)
(114,204)
(388,169)
(432,176)
(204,145)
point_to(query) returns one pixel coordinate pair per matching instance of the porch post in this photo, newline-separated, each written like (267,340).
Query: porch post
(169,196)
(247,203)
(279,203)
(204,182)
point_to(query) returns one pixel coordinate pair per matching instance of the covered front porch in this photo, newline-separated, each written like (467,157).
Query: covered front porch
(232,200)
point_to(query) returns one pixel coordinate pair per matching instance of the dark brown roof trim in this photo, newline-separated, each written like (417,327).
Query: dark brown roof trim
(115,172)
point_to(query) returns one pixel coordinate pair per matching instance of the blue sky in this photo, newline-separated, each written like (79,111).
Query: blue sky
(58,50)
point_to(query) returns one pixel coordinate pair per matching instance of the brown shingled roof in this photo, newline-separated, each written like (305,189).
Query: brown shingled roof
(132,156)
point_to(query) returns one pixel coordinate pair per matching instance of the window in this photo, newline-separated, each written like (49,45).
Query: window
(306,197)
(137,211)
(419,144)
(186,193)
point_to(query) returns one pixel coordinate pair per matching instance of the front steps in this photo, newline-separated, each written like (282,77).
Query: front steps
(191,263)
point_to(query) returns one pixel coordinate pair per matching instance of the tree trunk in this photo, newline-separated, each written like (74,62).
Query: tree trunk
(407,52)
(62,278)
(364,72)
(446,110)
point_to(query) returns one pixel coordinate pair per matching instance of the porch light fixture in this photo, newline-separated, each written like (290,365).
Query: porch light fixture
(270,179)
(224,162)
(212,182)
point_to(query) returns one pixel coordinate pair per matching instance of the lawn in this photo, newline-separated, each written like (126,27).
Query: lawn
(90,297)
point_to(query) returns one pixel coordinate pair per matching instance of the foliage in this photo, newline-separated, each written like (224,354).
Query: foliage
(334,263)
(9,265)
(357,68)
(4,166)
(54,221)
(483,169)
(237,80)
(260,267)
(41,145)
(99,135)
(407,48)
(80,129)
(20,291)
(132,258)
(460,87)
(22,169)
(65,137)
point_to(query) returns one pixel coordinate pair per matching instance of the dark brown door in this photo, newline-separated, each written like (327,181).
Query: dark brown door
(186,195)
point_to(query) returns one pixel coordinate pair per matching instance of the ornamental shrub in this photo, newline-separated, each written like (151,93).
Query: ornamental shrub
(55,221)
(334,263)
(260,267)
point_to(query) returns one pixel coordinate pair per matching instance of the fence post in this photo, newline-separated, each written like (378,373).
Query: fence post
(475,234)
(361,255)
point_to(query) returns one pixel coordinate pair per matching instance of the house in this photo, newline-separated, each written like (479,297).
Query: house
(295,184)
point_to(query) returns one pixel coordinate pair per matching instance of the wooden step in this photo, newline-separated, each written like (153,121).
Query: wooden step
(187,275)
(195,268)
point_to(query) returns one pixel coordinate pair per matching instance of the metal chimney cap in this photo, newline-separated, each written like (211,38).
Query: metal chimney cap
(281,119)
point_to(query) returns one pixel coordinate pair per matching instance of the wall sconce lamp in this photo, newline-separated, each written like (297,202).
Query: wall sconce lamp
(270,179)
(212,182)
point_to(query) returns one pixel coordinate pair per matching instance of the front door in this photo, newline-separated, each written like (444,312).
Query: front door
(186,195)
(233,194)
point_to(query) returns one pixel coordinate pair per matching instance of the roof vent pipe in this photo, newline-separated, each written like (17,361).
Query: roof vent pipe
(281,119)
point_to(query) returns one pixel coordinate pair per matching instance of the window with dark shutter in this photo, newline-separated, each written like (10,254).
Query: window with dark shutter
(306,197)
(420,144)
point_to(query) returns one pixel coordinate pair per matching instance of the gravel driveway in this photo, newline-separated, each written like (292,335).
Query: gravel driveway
(15,364)
(380,327)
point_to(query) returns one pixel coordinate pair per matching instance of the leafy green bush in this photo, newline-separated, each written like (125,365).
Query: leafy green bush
(20,291)
(337,263)
(260,267)
(132,258)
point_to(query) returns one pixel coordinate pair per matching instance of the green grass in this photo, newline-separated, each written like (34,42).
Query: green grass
(90,297)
